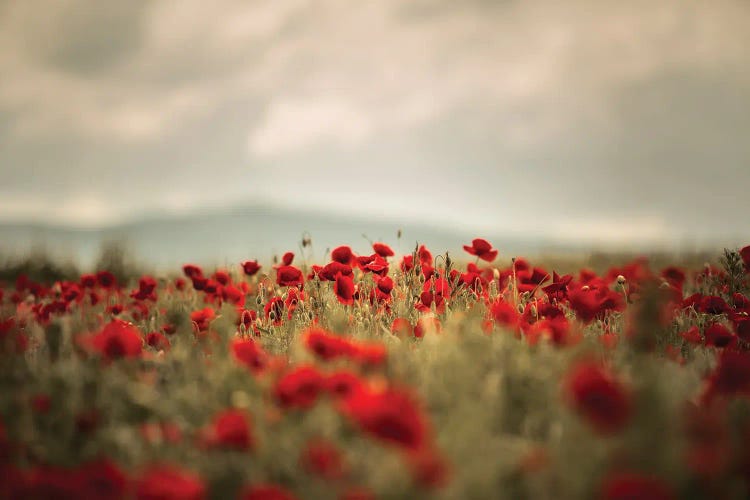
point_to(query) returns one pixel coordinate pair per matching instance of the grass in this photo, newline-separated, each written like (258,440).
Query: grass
(494,386)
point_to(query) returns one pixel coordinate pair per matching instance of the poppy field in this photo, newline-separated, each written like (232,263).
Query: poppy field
(375,376)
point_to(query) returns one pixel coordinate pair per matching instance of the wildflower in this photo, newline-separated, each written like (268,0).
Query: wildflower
(203,317)
(482,249)
(322,458)
(230,429)
(390,416)
(117,339)
(692,335)
(331,270)
(745,254)
(598,397)
(167,482)
(249,354)
(274,310)
(719,335)
(233,295)
(192,271)
(731,376)
(251,267)
(325,345)
(382,249)
(157,341)
(287,259)
(299,388)
(344,289)
(41,403)
(629,486)
(288,275)
(101,479)
(88,280)
(402,328)
(505,314)
(266,492)
(343,384)
(221,277)
(106,279)
(429,469)
(342,255)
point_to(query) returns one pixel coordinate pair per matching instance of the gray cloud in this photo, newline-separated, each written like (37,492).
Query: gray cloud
(583,119)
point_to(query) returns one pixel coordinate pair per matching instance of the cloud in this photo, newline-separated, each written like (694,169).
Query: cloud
(479,113)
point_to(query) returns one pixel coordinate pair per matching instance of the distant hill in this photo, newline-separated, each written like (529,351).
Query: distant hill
(231,235)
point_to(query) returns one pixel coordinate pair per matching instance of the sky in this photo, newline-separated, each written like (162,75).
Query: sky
(595,120)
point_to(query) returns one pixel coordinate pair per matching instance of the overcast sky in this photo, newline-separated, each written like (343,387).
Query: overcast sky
(608,120)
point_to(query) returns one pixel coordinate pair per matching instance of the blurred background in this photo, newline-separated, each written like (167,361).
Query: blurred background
(220,131)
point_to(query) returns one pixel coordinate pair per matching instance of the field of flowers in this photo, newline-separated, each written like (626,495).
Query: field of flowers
(376,376)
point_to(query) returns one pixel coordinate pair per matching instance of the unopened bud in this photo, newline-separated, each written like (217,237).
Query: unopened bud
(621,279)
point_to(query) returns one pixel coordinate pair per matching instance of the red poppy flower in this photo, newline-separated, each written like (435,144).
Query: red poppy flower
(732,375)
(630,486)
(402,328)
(251,267)
(425,256)
(391,416)
(505,314)
(429,469)
(343,384)
(41,403)
(157,341)
(299,388)
(558,289)
(587,304)
(377,265)
(382,249)
(323,459)
(117,339)
(166,482)
(427,324)
(325,345)
(106,279)
(221,277)
(287,275)
(329,272)
(675,276)
(713,304)
(192,271)
(250,354)
(266,492)
(692,335)
(745,254)
(384,287)
(199,282)
(482,249)
(357,493)
(344,289)
(598,397)
(230,429)
(287,259)
(719,335)
(274,310)
(203,317)
(407,263)
(88,280)
(343,255)
(369,353)
(102,480)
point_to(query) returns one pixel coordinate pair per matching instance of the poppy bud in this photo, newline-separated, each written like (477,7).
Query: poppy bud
(621,279)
